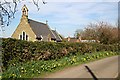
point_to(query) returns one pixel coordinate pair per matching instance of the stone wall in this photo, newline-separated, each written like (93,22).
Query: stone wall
(24,26)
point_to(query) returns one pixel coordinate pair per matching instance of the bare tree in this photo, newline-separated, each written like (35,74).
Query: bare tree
(102,31)
(78,33)
(90,31)
(8,10)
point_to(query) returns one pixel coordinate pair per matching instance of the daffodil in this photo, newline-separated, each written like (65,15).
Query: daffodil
(107,53)
(54,65)
(22,68)
(22,71)
(59,64)
(84,59)
(13,75)
(74,59)
(39,72)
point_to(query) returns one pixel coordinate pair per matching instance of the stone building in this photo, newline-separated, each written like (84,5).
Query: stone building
(31,30)
(72,39)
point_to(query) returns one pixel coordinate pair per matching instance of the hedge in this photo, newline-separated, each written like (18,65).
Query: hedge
(18,51)
(33,69)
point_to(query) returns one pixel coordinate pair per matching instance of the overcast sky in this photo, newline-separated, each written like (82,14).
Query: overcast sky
(66,16)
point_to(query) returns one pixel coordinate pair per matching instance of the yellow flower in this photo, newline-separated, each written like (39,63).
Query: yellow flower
(22,68)
(13,74)
(74,59)
(0,77)
(39,72)
(22,71)
(107,53)
(84,59)
(54,65)
(59,64)
(74,56)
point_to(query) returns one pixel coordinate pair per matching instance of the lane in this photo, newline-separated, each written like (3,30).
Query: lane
(73,72)
(104,68)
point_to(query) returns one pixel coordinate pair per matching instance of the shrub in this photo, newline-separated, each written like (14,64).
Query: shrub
(36,68)
(18,51)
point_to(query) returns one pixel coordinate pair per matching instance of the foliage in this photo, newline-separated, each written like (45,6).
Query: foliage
(102,31)
(32,69)
(9,8)
(78,33)
(18,51)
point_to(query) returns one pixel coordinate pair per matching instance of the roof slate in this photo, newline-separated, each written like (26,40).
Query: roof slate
(40,29)
(56,35)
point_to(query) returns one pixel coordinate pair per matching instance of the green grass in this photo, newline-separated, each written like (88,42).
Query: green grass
(39,68)
(104,55)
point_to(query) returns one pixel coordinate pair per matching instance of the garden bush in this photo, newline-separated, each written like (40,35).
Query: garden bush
(19,51)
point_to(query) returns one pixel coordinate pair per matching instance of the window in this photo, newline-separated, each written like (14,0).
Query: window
(39,38)
(24,11)
(23,35)
(26,37)
(20,37)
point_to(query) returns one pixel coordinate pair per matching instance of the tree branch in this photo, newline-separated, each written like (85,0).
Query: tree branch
(8,11)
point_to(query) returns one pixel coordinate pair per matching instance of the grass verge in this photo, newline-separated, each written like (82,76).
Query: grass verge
(33,69)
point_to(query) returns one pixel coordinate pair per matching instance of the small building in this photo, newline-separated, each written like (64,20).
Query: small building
(72,39)
(90,41)
(32,30)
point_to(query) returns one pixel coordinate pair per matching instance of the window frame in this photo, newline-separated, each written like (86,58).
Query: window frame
(24,36)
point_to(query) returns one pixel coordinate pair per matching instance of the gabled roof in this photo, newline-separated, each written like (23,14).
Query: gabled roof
(40,29)
(58,38)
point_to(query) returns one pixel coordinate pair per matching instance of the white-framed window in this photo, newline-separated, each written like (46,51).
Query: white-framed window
(26,37)
(23,36)
(20,37)
(41,37)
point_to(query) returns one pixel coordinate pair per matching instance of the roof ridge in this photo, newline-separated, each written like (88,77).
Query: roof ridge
(51,31)
(41,28)
(58,34)
(37,21)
